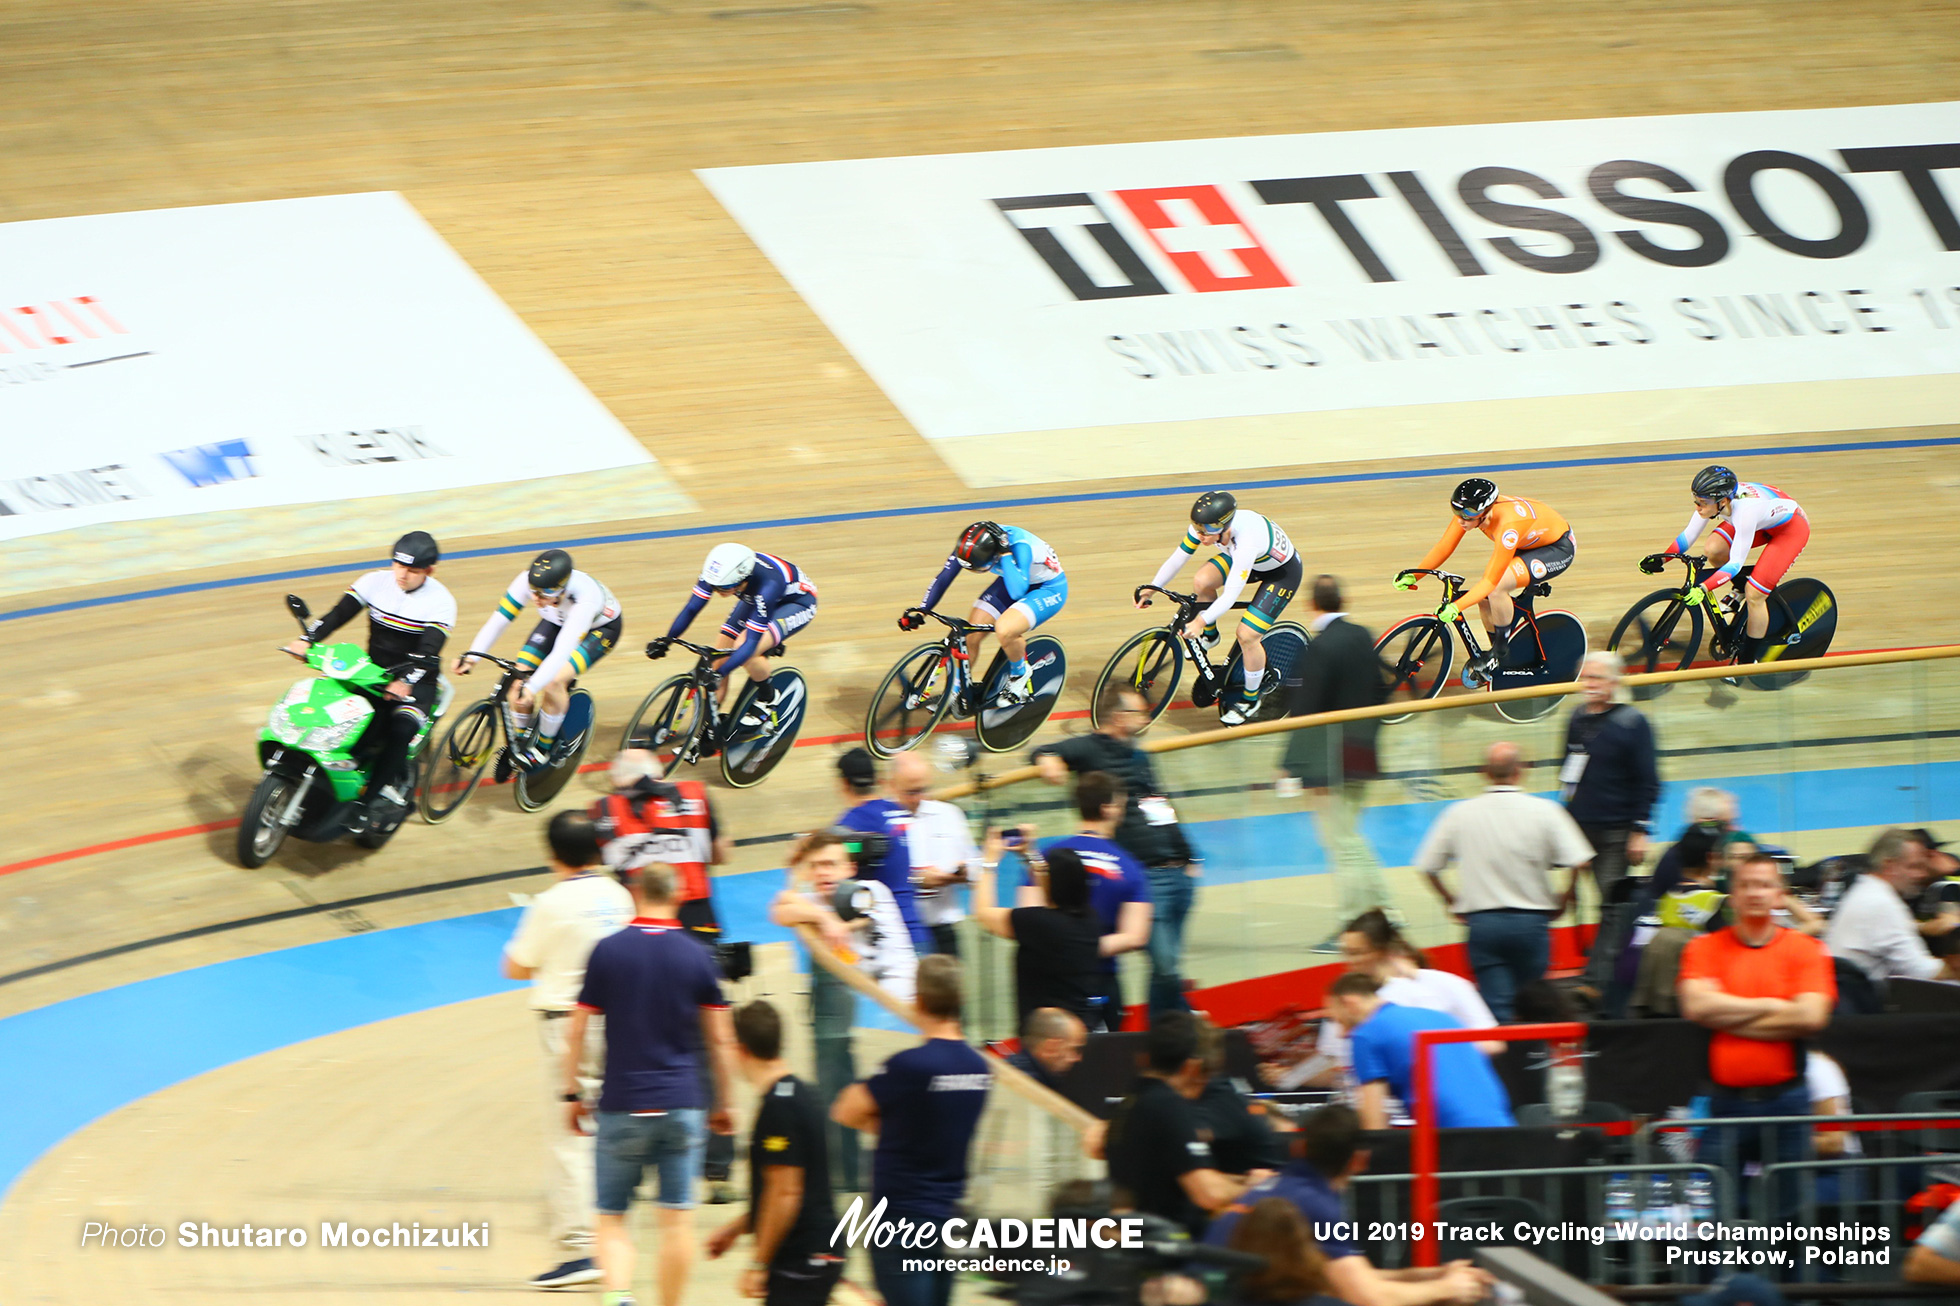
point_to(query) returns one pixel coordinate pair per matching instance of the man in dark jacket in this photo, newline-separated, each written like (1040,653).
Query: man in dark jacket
(1149,830)
(1335,763)
(1610,783)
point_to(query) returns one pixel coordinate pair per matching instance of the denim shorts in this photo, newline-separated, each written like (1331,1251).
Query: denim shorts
(672,1142)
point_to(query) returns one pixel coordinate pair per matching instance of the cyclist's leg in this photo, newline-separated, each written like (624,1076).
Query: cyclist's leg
(986,612)
(537,646)
(1205,585)
(1276,589)
(1034,607)
(789,618)
(1781,546)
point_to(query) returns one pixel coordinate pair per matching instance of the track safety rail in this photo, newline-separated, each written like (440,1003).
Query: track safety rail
(1422,1143)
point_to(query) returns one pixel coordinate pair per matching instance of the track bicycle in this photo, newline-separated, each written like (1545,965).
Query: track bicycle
(1663,631)
(935,680)
(1546,648)
(1152,661)
(682,721)
(472,742)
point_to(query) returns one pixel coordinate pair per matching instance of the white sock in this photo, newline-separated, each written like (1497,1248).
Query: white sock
(548,727)
(522,720)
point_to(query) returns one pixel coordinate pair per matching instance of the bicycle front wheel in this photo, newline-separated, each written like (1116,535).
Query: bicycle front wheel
(1659,633)
(668,719)
(910,701)
(1416,657)
(1150,662)
(455,765)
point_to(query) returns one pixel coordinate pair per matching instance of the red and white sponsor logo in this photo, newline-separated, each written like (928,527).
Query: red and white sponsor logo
(1205,239)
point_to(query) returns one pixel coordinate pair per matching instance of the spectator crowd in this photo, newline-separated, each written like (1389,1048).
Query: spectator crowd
(643,1051)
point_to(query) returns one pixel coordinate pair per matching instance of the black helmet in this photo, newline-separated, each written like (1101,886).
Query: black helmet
(416,549)
(1714,482)
(1473,497)
(551,569)
(979,544)
(1213,511)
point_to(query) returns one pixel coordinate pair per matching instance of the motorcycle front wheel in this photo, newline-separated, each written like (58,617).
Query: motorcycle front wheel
(262,829)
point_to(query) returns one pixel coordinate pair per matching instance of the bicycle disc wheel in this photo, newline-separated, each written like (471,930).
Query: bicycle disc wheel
(534,790)
(910,701)
(746,759)
(1003,726)
(667,719)
(1562,639)
(1285,644)
(1415,657)
(1659,633)
(454,766)
(1802,620)
(1150,662)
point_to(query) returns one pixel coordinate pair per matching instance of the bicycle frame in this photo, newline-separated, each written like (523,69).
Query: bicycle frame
(954,642)
(1727,616)
(1188,608)
(1453,589)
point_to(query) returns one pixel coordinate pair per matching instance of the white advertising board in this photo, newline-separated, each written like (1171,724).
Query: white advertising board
(1115,285)
(194,360)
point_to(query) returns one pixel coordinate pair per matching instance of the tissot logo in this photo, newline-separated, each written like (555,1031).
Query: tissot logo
(1798,204)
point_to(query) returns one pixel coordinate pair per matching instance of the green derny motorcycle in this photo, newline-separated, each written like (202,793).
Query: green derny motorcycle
(318,754)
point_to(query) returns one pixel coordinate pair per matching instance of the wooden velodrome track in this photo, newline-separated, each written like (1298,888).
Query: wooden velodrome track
(552,146)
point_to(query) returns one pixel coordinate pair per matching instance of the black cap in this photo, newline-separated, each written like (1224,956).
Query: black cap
(859,768)
(416,549)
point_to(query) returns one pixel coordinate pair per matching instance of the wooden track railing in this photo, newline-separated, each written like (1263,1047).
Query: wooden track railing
(1459,701)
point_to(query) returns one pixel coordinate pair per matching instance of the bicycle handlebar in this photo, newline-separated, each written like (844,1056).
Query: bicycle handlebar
(505,663)
(699,650)
(1182,600)
(959,624)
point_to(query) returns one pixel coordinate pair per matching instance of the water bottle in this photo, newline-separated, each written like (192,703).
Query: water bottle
(1700,1191)
(1619,1201)
(1659,1207)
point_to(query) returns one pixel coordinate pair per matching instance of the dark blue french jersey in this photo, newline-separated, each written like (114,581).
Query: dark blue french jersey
(929,1102)
(651,980)
(883,816)
(1115,877)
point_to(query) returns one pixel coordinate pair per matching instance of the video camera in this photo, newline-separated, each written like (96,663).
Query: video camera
(866,849)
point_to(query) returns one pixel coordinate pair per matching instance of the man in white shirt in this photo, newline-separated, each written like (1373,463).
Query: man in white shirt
(942,847)
(1505,843)
(553,940)
(1872,926)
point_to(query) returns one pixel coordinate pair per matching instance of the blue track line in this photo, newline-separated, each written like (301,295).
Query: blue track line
(1039,501)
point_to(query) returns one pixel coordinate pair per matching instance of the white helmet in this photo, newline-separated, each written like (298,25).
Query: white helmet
(728,565)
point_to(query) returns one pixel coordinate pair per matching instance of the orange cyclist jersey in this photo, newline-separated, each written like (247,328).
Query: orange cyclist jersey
(1514,526)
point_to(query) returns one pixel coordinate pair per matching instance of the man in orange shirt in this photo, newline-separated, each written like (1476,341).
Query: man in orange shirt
(1762,989)
(1531,543)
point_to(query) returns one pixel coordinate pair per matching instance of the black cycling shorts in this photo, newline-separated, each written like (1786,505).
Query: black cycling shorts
(1276,589)
(1547,560)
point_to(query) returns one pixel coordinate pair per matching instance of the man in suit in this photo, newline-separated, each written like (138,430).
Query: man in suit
(1335,762)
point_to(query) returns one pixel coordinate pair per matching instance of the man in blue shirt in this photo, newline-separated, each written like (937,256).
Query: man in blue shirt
(1119,887)
(1382,1042)
(924,1106)
(660,992)
(873,814)
(1327,1155)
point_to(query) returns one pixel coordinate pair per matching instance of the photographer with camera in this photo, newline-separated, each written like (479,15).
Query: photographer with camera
(1058,961)
(860,922)
(887,819)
